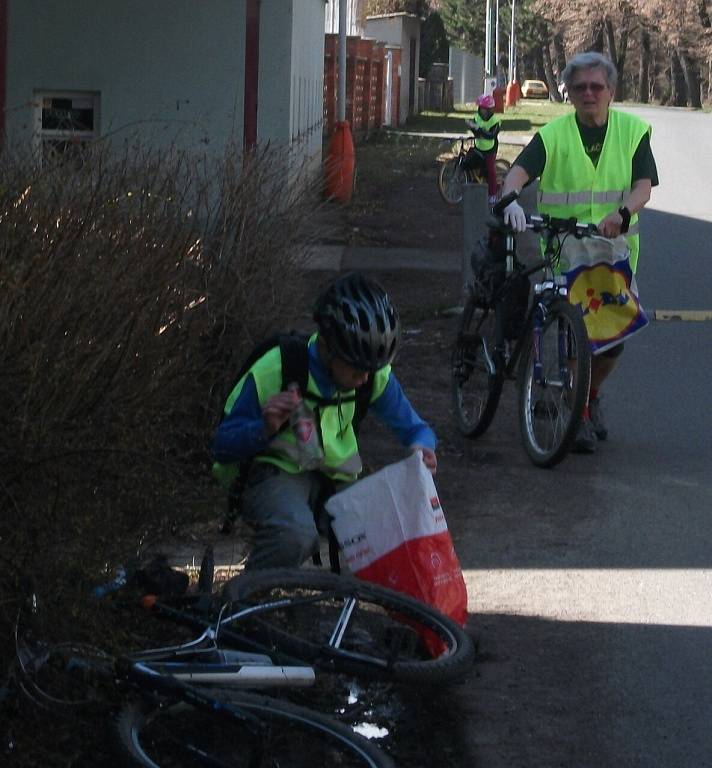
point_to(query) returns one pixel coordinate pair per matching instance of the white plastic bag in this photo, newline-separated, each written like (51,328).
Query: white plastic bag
(392,531)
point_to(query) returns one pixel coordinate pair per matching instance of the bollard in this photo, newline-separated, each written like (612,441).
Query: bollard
(475,210)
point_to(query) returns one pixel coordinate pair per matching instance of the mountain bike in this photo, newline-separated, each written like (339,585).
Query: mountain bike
(504,335)
(468,166)
(184,704)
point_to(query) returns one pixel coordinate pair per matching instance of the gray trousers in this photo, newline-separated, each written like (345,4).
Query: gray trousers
(280,506)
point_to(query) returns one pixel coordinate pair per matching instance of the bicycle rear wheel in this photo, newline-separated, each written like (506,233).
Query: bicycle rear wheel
(476,380)
(450,180)
(343,624)
(262,733)
(551,405)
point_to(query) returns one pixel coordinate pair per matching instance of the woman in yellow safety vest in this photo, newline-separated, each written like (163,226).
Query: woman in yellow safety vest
(594,164)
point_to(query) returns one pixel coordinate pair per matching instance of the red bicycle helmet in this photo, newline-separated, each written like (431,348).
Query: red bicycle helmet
(358,322)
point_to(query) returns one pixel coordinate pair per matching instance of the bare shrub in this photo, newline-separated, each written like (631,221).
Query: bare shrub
(130,288)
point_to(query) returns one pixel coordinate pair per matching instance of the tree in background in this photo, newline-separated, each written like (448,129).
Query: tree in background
(381,7)
(434,43)
(662,49)
(464,22)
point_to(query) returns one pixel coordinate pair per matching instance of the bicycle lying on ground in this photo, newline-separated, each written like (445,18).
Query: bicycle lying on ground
(468,166)
(502,336)
(183,704)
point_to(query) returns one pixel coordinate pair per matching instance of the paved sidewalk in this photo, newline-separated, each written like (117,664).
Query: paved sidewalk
(343,257)
(504,138)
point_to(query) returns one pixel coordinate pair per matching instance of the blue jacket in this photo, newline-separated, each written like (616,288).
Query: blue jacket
(242,433)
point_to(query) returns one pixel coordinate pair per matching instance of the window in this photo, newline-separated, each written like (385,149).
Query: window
(64,122)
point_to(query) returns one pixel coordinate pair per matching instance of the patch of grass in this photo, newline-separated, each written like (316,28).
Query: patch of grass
(525,118)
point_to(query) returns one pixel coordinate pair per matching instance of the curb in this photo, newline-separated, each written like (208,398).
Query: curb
(503,138)
(343,257)
(684,315)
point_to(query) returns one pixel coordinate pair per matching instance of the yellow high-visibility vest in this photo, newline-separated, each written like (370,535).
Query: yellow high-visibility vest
(341,457)
(572,186)
(484,145)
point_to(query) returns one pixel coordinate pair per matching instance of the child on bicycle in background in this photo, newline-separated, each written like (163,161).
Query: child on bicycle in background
(485,125)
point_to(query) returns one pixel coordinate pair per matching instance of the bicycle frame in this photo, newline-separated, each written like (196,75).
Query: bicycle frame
(231,667)
(549,289)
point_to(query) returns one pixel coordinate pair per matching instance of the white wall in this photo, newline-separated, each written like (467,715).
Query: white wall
(307,108)
(353,11)
(174,69)
(399,29)
(291,80)
(467,73)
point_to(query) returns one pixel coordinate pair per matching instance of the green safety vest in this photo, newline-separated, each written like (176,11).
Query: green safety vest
(484,145)
(572,186)
(341,457)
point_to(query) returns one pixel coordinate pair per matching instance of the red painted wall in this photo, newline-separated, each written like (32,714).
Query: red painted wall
(365,84)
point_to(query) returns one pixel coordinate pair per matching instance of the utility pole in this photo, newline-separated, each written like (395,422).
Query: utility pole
(512,51)
(490,44)
(341,94)
(488,40)
(496,42)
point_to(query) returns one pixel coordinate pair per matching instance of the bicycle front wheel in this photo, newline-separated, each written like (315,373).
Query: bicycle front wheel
(553,385)
(255,732)
(451,178)
(343,624)
(476,378)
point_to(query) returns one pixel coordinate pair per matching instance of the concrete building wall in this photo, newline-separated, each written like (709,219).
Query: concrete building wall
(353,14)
(403,30)
(467,73)
(172,69)
(291,78)
(307,79)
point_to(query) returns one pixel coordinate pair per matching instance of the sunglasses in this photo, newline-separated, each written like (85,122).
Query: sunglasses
(582,87)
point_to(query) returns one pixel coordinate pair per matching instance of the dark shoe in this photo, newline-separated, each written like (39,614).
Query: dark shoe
(597,419)
(585,441)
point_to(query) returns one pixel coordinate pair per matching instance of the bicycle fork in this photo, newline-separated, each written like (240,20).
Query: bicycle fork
(563,344)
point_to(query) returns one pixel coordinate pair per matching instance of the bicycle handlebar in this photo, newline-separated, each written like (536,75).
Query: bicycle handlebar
(545,223)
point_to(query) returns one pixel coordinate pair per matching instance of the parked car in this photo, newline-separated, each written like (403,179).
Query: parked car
(535,89)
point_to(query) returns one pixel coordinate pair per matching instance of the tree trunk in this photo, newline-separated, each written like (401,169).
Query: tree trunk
(692,79)
(678,88)
(596,37)
(618,52)
(644,69)
(621,90)
(538,60)
(560,52)
(610,39)
(551,80)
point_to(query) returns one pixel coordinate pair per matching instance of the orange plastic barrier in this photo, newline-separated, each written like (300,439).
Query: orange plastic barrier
(498,95)
(513,93)
(340,164)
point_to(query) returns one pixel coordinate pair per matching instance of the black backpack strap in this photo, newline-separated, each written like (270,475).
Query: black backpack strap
(294,348)
(363,401)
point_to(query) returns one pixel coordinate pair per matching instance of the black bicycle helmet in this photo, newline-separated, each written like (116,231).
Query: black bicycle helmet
(358,322)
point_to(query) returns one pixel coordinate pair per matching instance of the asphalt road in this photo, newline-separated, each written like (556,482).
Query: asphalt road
(591,585)
(607,560)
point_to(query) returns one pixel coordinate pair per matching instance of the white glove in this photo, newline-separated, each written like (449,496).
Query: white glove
(515,217)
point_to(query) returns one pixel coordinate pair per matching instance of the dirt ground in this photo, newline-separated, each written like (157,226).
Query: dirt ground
(474,723)
(397,205)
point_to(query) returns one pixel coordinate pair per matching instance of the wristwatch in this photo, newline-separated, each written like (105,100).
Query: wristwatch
(625,215)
